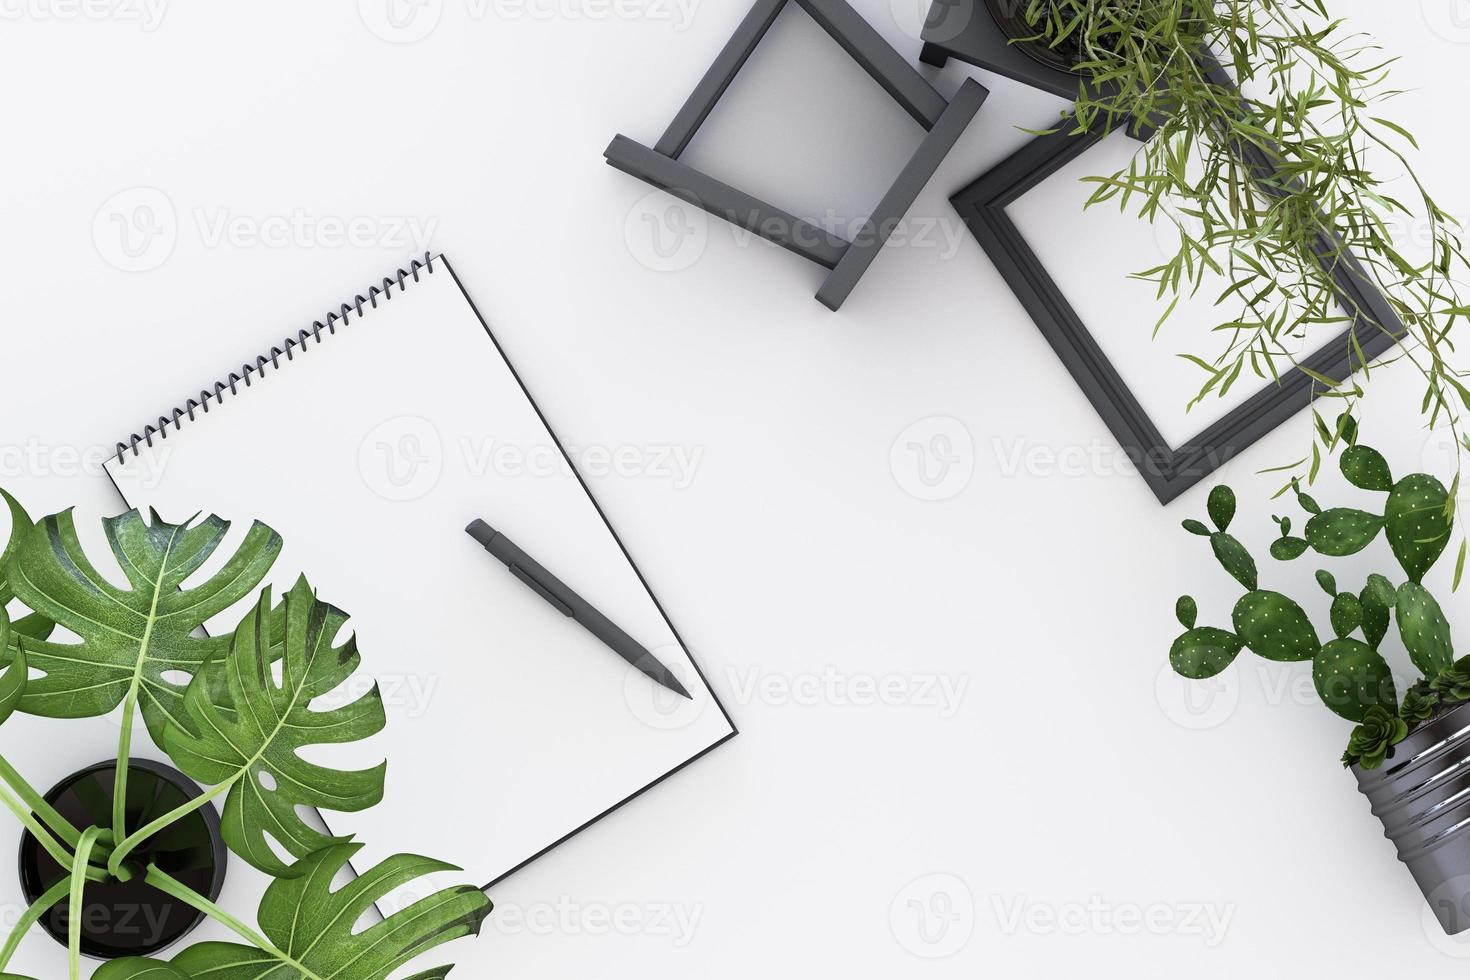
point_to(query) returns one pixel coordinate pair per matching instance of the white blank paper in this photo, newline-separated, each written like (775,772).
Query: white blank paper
(509,726)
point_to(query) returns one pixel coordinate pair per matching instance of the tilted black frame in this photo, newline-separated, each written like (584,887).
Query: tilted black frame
(943,120)
(1168,471)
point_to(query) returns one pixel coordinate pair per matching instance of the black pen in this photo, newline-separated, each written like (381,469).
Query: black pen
(571,605)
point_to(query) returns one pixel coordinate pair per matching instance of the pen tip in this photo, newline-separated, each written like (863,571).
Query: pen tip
(678,688)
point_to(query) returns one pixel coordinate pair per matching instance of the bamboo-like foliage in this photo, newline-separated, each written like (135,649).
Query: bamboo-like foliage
(1268,133)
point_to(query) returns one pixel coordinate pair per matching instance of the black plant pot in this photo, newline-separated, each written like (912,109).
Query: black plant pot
(1422,795)
(131,918)
(1010,16)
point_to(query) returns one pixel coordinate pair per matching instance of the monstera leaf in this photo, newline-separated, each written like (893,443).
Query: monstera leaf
(252,745)
(139,970)
(311,927)
(20,526)
(131,640)
(13,670)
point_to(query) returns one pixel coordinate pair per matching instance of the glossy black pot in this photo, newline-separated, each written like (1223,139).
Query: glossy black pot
(1422,795)
(131,918)
(1010,17)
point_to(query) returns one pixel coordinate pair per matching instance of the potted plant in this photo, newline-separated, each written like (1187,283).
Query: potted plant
(1410,754)
(130,842)
(1269,152)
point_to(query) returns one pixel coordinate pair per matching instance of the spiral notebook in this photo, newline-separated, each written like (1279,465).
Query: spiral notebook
(369,441)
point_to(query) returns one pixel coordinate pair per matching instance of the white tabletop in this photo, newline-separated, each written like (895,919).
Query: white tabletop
(962,754)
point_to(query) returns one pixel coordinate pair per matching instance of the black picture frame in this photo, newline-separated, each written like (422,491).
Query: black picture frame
(943,120)
(1169,471)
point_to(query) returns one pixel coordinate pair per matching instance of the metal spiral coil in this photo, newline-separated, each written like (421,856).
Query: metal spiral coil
(250,373)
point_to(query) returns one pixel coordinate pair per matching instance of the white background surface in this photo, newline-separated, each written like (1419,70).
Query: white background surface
(1070,799)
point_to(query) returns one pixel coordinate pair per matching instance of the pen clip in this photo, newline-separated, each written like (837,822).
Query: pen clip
(541,590)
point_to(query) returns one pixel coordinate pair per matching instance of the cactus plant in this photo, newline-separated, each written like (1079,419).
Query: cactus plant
(1352,677)
(1347,616)
(1376,601)
(1425,631)
(1275,627)
(1418,523)
(1417,516)
(1342,531)
(1366,469)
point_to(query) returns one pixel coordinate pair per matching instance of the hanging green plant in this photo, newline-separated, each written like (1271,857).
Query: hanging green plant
(1270,154)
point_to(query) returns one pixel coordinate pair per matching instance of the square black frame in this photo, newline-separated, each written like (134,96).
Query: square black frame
(1167,470)
(943,120)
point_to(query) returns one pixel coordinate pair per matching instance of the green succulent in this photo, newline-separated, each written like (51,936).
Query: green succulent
(1453,683)
(1418,706)
(1374,739)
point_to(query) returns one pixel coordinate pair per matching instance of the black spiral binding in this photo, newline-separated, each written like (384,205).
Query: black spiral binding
(249,373)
